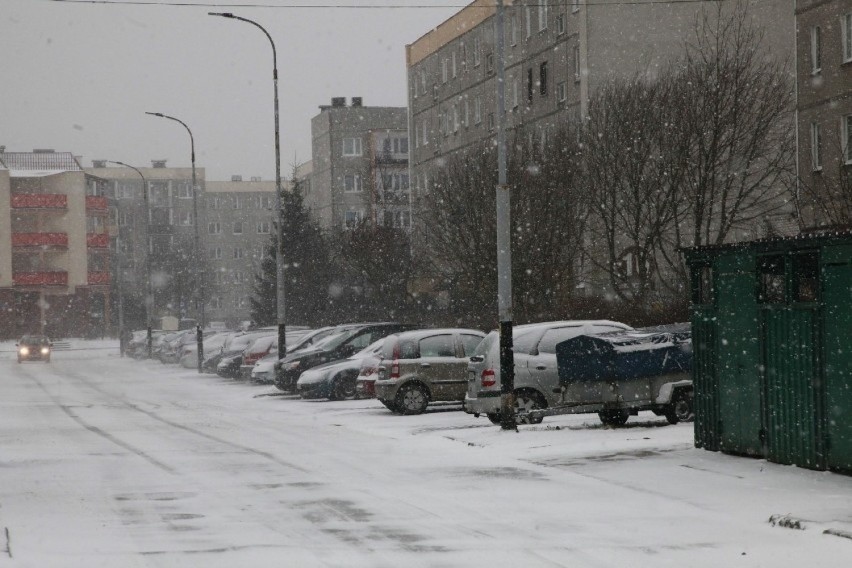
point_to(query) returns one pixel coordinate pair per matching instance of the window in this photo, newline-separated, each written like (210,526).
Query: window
(454,65)
(123,191)
(816,50)
(703,292)
(266,202)
(264,227)
(238,253)
(553,336)
(216,303)
(444,70)
(437,346)
(560,24)
(351,146)
(213,202)
(469,343)
(455,118)
(159,195)
(576,63)
(184,218)
(214,228)
(529,85)
(218,277)
(238,227)
(425,131)
(575,6)
(125,218)
(352,219)
(352,183)
(184,190)
(561,91)
(489,63)
(771,271)
(515,97)
(238,203)
(805,277)
(423,89)
(816,146)
(477,110)
(160,216)
(528,18)
(400,145)
(476,48)
(542,15)
(466,113)
(846,141)
(542,79)
(490,121)
(216,253)
(846,36)
(239,277)
(513,33)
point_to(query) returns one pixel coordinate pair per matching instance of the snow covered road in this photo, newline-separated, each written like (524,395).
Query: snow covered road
(111,462)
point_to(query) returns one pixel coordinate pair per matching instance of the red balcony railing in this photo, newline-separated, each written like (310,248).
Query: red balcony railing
(39,239)
(96,203)
(39,201)
(40,278)
(98,278)
(97,240)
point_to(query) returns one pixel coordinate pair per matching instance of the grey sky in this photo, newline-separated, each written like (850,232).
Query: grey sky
(79,77)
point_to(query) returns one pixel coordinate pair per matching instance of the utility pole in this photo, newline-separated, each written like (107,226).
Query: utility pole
(504,241)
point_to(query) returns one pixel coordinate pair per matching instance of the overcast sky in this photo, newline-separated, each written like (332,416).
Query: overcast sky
(78,77)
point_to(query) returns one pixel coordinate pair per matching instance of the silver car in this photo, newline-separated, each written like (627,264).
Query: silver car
(536,376)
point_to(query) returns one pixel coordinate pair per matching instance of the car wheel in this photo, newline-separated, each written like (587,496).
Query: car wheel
(391,406)
(525,401)
(342,388)
(412,399)
(614,417)
(494,417)
(680,409)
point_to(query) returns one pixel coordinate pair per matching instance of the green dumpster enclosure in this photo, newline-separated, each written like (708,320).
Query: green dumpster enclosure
(772,340)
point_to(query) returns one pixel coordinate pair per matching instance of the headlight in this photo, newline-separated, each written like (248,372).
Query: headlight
(25,350)
(292,366)
(45,350)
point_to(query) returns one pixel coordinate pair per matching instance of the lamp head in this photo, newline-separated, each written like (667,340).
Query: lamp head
(222,14)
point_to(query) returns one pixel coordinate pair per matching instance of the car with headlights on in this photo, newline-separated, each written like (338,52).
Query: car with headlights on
(34,348)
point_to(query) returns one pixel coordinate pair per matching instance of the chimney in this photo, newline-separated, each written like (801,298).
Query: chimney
(255,178)
(99,163)
(2,149)
(357,101)
(338,102)
(161,164)
(236,178)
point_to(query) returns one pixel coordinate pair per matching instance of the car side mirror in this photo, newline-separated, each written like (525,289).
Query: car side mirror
(477,359)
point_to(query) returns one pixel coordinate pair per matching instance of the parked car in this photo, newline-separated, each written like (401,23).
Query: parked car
(263,371)
(345,341)
(213,356)
(254,352)
(536,374)
(335,380)
(425,366)
(212,343)
(365,384)
(34,348)
(232,352)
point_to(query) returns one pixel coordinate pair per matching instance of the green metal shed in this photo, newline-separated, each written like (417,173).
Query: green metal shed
(772,338)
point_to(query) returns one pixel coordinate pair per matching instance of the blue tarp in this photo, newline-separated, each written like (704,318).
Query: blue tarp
(625,355)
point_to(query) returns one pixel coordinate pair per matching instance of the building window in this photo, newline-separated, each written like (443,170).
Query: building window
(214,228)
(816,50)
(159,195)
(542,79)
(515,96)
(239,277)
(490,121)
(529,85)
(477,110)
(184,190)
(238,253)
(560,23)
(444,70)
(561,91)
(123,191)
(816,146)
(466,113)
(847,138)
(846,27)
(454,65)
(264,227)
(513,29)
(576,63)
(575,6)
(528,14)
(216,253)
(489,63)
(400,145)
(213,202)
(125,218)
(266,202)
(476,49)
(238,203)
(425,131)
(353,218)
(542,15)
(184,218)
(455,118)
(238,227)
(216,303)
(351,146)
(352,183)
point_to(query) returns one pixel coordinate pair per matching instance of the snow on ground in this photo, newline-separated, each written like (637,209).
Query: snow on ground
(113,462)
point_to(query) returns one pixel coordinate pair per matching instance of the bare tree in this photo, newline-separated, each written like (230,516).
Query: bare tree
(825,198)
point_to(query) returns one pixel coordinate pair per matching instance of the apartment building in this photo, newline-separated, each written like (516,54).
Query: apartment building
(54,246)
(359,165)
(239,229)
(824,104)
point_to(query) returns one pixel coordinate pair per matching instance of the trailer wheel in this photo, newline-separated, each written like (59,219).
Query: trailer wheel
(527,400)
(680,409)
(614,417)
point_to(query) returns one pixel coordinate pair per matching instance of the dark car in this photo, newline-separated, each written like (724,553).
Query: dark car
(344,342)
(34,348)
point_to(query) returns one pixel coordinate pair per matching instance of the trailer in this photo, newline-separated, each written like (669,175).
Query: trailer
(617,374)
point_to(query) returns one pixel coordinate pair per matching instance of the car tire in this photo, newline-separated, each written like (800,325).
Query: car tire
(614,417)
(680,409)
(412,399)
(529,400)
(391,406)
(342,388)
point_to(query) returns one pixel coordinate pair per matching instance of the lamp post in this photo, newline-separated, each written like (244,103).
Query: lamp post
(149,300)
(199,298)
(279,278)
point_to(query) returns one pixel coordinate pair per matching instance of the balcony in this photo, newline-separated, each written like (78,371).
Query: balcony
(40,240)
(39,201)
(97,240)
(40,278)
(98,278)
(94,203)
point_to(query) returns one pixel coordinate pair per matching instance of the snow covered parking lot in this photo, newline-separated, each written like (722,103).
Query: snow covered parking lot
(112,462)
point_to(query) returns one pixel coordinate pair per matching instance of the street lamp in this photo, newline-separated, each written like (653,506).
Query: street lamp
(149,300)
(199,298)
(280,296)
